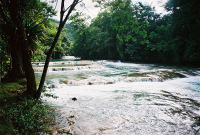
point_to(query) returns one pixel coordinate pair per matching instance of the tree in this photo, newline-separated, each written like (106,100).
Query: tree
(108,48)
(185,30)
(63,20)
(79,28)
(115,34)
(23,29)
(20,30)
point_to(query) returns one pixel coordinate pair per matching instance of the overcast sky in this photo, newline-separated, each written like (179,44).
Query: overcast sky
(92,11)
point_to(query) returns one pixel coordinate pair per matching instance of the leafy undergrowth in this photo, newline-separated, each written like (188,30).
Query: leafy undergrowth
(17,116)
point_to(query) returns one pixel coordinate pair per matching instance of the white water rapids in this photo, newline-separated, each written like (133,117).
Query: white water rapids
(115,98)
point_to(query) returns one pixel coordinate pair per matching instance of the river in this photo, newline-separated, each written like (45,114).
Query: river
(117,98)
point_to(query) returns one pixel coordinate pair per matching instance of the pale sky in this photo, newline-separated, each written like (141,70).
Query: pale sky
(92,11)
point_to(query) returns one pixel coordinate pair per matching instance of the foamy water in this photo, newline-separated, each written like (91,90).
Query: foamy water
(128,99)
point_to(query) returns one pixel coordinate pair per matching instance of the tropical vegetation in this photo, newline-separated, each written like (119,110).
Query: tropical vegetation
(135,32)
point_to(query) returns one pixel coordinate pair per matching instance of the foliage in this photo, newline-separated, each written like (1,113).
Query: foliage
(116,33)
(22,25)
(78,26)
(135,32)
(185,27)
(63,47)
(17,116)
(11,86)
(33,21)
(24,120)
(30,120)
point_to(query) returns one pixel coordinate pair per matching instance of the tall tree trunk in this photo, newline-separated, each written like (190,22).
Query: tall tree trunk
(29,72)
(16,71)
(1,68)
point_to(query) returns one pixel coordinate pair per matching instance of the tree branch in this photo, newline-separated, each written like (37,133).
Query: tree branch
(62,10)
(72,4)
(56,4)
(70,10)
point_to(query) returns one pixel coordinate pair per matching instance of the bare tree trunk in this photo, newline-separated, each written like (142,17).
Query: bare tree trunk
(49,54)
(48,60)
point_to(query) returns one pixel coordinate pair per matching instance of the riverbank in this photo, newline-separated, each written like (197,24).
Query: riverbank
(16,115)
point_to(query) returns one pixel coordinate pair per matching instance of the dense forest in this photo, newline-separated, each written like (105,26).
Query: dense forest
(121,31)
(135,32)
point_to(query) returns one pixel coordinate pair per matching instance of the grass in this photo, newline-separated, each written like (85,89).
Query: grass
(17,116)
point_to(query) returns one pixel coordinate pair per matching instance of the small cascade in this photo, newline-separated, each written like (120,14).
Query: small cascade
(75,68)
(72,63)
(70,58)
(64,63)
(107,80)
(140,79)
(92,81)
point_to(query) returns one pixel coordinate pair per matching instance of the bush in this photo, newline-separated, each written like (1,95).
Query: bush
(28,120)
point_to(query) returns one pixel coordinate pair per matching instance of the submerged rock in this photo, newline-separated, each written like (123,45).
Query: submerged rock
(74,98)
(65,81)
(67,131)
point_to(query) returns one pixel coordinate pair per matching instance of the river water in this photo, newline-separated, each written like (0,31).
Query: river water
(116,98)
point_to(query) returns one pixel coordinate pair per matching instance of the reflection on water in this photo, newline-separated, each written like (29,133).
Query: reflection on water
(128,99)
